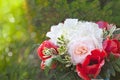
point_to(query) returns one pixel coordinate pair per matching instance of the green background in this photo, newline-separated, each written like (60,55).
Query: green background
(24,23)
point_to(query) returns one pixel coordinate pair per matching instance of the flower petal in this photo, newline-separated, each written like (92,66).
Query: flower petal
(82,72)
(102,24)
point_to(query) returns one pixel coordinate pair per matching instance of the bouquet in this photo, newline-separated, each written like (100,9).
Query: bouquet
(90,50)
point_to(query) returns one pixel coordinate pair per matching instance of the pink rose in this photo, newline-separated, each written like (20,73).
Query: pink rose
(79,49)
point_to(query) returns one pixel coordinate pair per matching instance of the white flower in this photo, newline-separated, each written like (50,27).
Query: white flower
(83,37)
(62,29)
(56,31)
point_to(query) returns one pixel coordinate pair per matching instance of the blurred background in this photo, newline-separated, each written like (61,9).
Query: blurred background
(24,23)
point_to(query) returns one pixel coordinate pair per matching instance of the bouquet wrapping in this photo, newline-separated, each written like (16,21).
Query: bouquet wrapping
(89,50)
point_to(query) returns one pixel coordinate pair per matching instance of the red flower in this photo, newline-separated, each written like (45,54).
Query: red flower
(112,45)
(43,56)
(46,44)
(92,65)
(102,24)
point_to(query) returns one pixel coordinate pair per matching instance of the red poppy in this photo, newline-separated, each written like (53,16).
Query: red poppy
(102,24)
(112,45)
(46,45)
(91,67)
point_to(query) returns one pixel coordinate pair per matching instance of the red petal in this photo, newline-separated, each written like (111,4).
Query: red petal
(99,68)
(42,65)
(111,46)
(92,69)
(40,53)
(92,64)
(102,24)
(87,61)
(103,54)
(82,72)
(96,52)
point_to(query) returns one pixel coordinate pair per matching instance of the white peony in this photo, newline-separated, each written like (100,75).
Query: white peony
(62,29)
(83,37)
(56,31)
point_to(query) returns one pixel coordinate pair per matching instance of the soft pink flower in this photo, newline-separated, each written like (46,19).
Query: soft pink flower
(79,49)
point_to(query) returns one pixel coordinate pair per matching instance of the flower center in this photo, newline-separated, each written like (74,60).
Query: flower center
(80,50)
(49,51)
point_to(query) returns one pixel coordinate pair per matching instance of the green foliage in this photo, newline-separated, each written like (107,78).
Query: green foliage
(117,31)
(62,73)
(111,67)
(48,12)
(116,12)
(66,75)
(62,43)
(55,11)
(63,56)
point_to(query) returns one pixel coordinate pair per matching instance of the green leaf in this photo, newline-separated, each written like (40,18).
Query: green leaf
(105,33)
(117,68)
(117,31)
(112,58)
(118,61)
(66,74)
(59,58)
(115,63)
(112,71)
(46,70)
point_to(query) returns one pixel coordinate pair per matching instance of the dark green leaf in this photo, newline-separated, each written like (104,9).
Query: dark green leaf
(112,71)
(117,31)
(118,61)
(117,68)
(46,70)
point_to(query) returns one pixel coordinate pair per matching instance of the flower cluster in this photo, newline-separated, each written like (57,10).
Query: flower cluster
(87,46)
